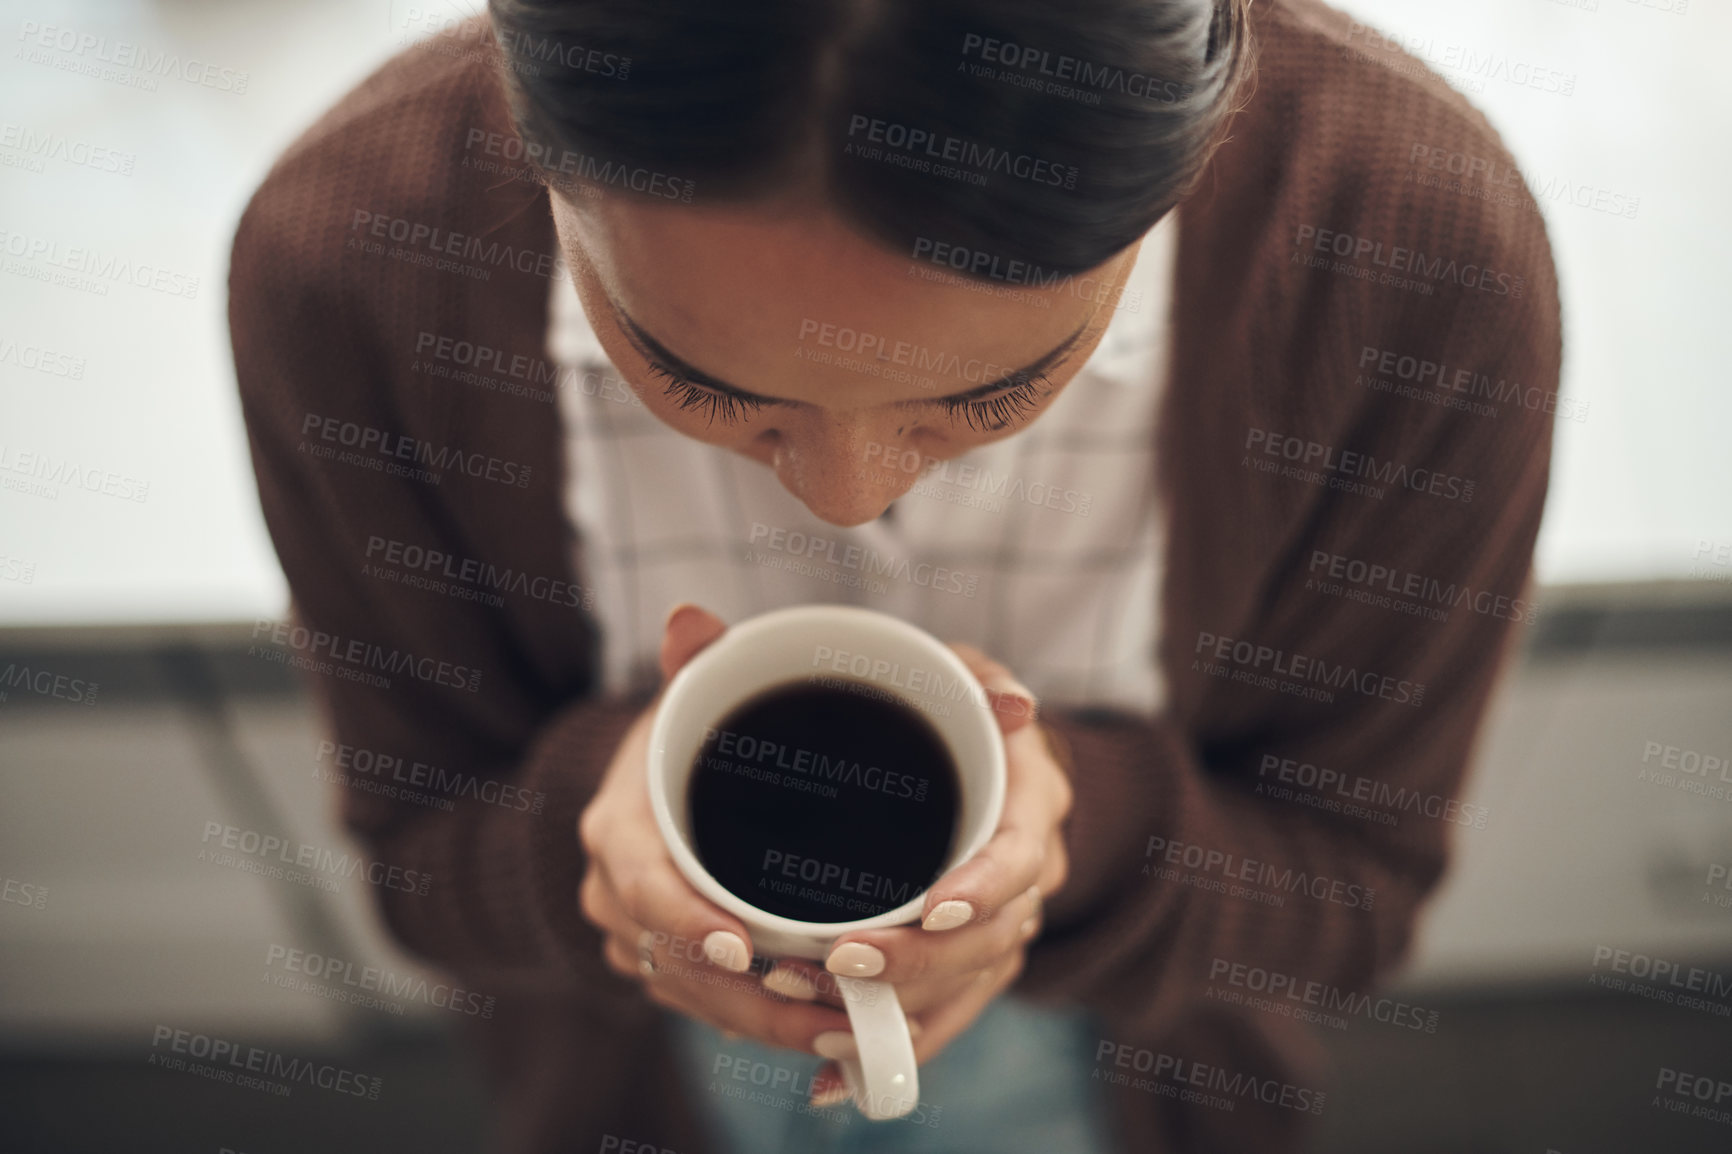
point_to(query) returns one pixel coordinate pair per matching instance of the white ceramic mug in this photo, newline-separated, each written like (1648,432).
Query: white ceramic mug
(840,643)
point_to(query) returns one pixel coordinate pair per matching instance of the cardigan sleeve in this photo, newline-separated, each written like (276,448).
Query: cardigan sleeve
(1181,828)
(515,755)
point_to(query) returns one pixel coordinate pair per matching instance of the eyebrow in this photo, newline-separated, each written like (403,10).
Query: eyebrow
(656,351)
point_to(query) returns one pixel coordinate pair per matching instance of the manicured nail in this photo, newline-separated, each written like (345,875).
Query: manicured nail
(855,960)
(835,1045)
(726,950)
(948,915)
(790,983)
(828,1088)
(672,612)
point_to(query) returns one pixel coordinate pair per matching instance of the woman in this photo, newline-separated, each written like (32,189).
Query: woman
(1075,336)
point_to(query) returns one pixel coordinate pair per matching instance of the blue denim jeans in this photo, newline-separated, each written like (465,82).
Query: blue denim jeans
(1015,1082)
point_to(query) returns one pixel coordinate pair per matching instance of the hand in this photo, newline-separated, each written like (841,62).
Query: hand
(690,955)
(695,958)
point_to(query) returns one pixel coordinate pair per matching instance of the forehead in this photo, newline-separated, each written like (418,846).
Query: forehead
(746,294)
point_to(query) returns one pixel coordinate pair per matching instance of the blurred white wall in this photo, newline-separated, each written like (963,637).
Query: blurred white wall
(1638,485)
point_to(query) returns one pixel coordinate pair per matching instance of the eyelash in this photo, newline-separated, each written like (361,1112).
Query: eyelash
(988,415)
(691,397)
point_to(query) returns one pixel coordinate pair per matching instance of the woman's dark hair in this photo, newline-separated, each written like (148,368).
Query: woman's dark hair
(1052,132)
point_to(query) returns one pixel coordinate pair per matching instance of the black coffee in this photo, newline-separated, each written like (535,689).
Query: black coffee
(824,804)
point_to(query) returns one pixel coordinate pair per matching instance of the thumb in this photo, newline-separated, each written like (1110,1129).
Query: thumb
(687,632)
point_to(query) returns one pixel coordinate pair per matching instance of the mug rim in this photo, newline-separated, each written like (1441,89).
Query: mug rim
(687,860)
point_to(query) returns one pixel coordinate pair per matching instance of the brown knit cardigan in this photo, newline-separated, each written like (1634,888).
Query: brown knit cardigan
(1329,262)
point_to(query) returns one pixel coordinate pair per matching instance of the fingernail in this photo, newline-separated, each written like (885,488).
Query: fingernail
(1014,704)
(828,1089)
(948,915)
(790,984)
(675,610)
(855,960)
(726,950)
(1029,925)
(915,1029)
(835,1045)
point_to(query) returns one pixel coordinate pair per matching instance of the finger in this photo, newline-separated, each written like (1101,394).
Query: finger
(803,982)
(940,1026)
(1037,798)
(1013,703)
(687,632)
(741,1006)
(913,955)
(650,891)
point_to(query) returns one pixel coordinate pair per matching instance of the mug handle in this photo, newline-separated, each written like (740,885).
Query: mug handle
(884,1079)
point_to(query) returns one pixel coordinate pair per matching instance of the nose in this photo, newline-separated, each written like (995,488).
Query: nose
(845,468)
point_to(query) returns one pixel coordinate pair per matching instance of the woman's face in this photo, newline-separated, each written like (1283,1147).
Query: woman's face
(794,341)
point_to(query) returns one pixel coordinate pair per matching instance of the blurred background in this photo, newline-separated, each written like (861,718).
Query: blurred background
(124,901)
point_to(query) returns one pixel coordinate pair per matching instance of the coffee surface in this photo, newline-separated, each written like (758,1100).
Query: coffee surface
(824,803)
